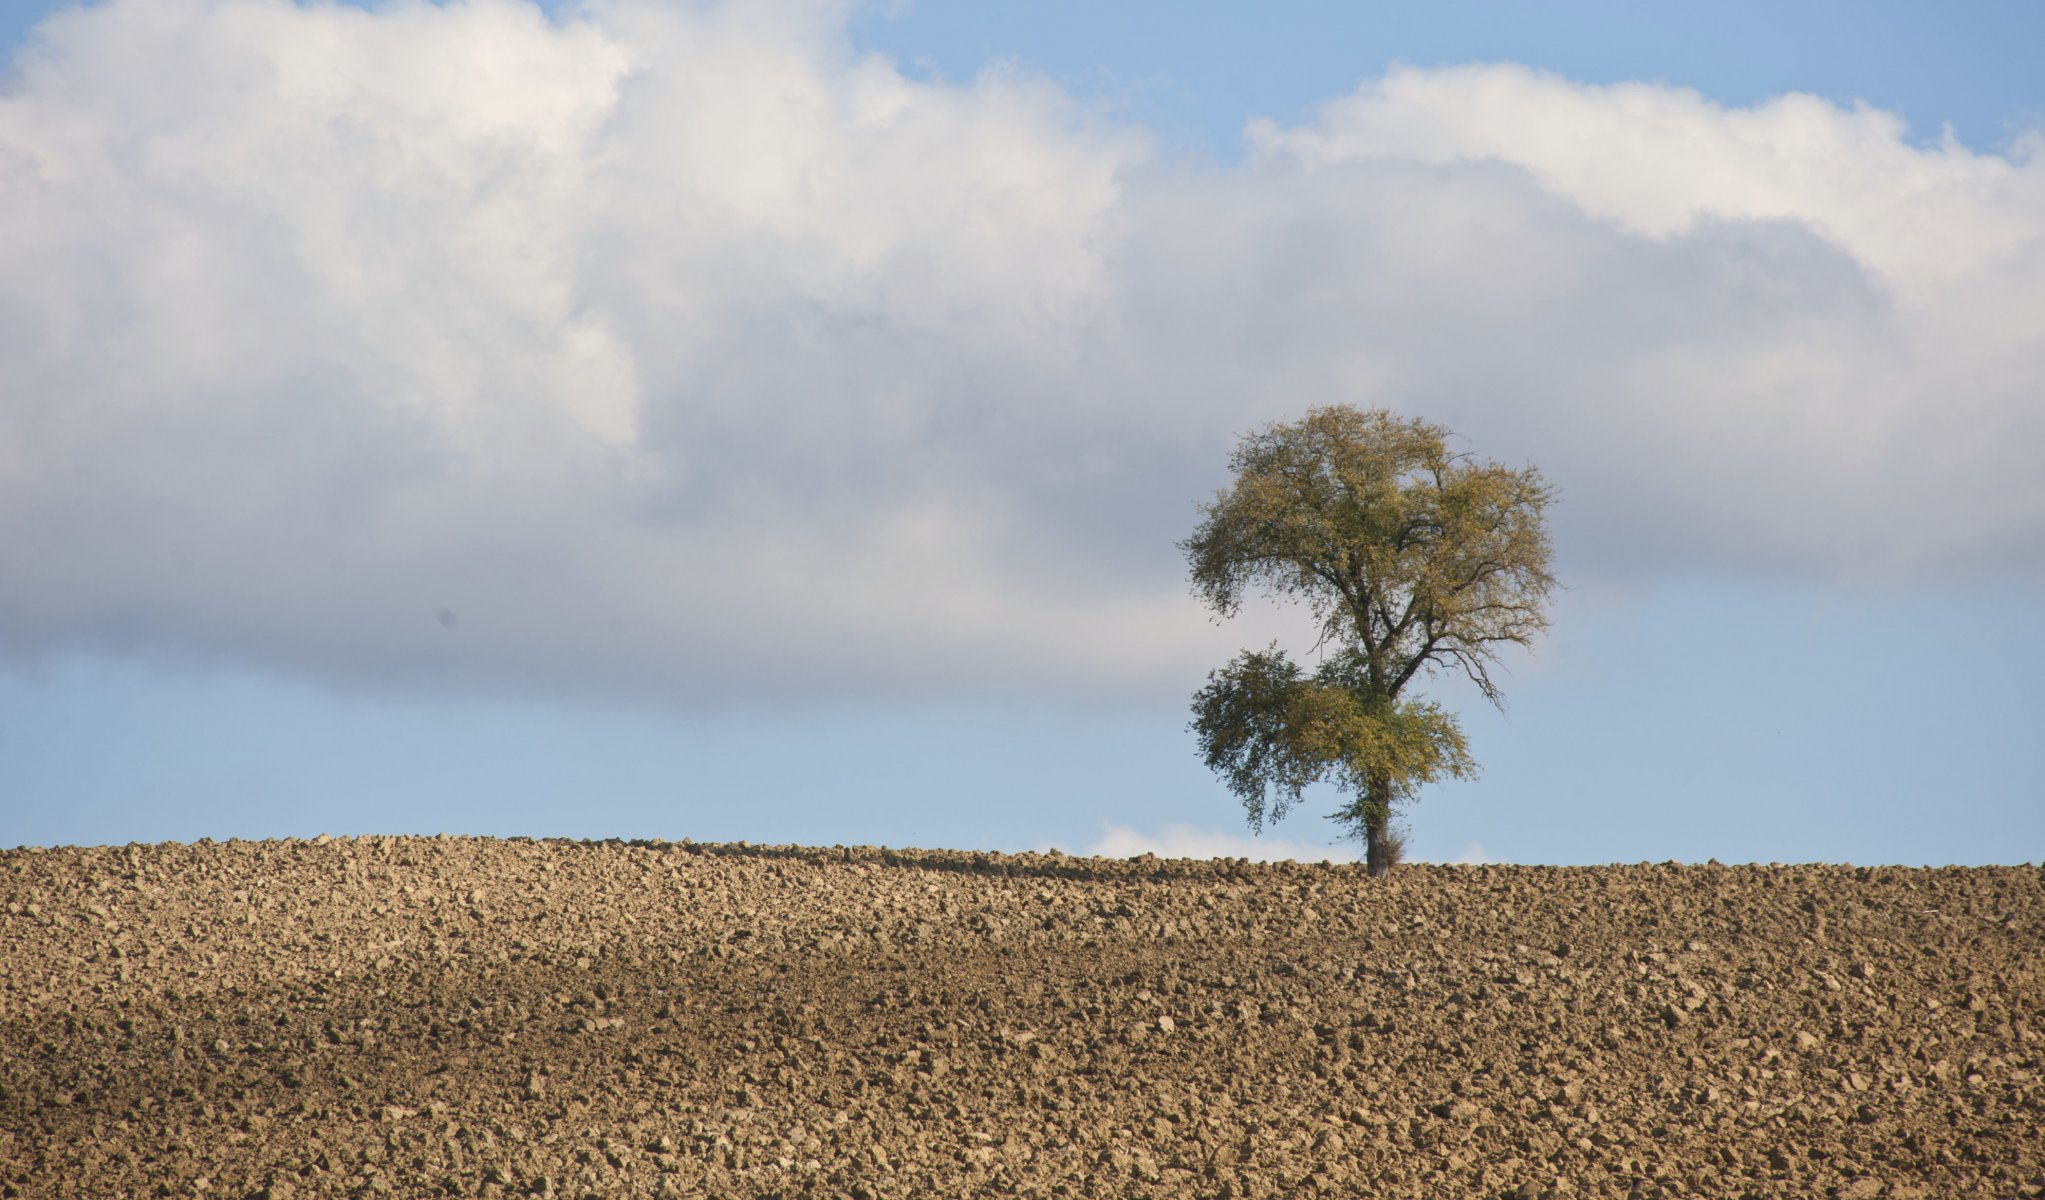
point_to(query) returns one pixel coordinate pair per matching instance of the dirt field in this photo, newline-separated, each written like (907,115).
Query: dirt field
(428,1017)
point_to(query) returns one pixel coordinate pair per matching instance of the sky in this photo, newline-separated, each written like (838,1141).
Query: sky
(775,421)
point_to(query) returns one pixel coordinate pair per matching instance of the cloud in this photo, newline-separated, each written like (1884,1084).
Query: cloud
(1183,841)
(679,351)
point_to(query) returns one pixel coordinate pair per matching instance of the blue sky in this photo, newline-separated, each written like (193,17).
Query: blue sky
(798,473)
(1197,71)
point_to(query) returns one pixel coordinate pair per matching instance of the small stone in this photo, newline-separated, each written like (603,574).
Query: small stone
(1804,1040)
(1167,1025)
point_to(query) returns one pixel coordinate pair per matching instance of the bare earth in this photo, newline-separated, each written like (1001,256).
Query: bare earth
(468,1017)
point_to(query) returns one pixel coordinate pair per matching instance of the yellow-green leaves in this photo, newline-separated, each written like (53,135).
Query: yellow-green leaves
(1411,558)
(1412,555)
(1405,742)
(1271,732)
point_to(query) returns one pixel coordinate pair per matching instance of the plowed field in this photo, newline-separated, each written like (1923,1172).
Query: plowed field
(468,1017)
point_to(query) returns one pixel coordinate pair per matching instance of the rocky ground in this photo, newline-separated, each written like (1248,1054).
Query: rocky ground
(467,1017)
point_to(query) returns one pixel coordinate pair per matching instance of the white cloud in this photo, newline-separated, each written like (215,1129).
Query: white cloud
(679,351)
(1183,841)
(1660,161)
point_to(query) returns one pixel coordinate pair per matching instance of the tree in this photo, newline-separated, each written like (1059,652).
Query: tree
(1412,559)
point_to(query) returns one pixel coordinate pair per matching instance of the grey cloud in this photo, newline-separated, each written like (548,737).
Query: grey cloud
(678,354)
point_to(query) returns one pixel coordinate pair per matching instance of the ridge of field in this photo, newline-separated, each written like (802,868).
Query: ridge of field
(473,1017)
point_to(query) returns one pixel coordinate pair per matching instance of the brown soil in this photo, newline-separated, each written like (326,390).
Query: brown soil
(422,1017)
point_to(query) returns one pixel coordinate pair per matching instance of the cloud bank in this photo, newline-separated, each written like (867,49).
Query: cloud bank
(682,352)
(1184,841)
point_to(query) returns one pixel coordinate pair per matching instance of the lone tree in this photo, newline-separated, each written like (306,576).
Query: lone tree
(1412,559)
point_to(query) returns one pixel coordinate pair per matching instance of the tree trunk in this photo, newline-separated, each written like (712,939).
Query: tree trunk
(1377,824)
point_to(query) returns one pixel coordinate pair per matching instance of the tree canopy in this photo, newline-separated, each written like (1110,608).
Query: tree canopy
(1411,558)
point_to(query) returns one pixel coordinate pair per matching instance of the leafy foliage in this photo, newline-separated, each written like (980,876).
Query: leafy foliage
(1411,558)
(1271,731)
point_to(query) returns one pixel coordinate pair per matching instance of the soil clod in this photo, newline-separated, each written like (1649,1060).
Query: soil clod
(484,1018)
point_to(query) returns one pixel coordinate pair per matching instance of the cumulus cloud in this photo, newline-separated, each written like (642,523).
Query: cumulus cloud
(1184,841)
(681,351)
